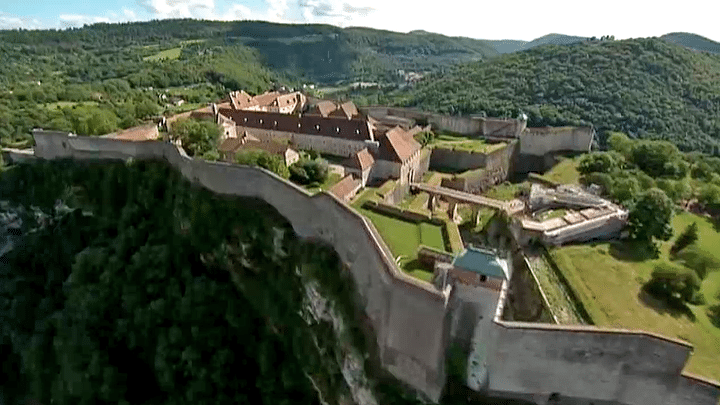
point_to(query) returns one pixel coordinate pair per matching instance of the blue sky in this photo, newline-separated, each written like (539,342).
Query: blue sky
(521,19)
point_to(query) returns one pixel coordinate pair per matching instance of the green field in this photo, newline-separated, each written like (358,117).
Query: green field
(608,278)
(565,172)
(464,143)
(169,54)
(404,237)
(70,104)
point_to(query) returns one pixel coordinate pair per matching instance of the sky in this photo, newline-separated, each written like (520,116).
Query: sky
(481,19)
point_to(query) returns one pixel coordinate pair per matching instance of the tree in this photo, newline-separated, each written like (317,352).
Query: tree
(675,285)
(620,143)
(600,162)
(650,218)
(264,159)
(309,172)
(197,136)
(687,237)
(700,260)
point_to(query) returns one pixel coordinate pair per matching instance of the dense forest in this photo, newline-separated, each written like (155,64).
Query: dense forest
(128,285)
(648,88)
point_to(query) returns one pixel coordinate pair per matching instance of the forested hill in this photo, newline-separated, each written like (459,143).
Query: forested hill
(322,53)
(646,87)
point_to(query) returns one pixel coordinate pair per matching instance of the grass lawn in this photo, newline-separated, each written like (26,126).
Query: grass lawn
(505,191)
(565,172)
(608,277)
(403,237)
(168,54)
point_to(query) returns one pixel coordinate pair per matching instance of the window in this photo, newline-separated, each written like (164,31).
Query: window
(357,131)
(483,278)
(245,119)
(261,121)
(275,123)
(337,129)
(317,127)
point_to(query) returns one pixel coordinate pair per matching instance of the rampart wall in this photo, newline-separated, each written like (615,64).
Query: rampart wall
(496,167)
(541,141)
(496,127)
(408,316)
(586,364)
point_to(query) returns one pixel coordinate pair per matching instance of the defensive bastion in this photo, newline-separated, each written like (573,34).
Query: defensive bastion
(410,318)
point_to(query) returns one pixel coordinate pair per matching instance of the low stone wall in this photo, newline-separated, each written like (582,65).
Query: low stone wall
(394,211)
(429,256)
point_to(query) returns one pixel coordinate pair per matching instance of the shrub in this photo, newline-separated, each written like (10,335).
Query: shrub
(686,238)
(309,171)
(675,285)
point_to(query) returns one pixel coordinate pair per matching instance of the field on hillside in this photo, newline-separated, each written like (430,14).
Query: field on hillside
(168,54)
(608,277)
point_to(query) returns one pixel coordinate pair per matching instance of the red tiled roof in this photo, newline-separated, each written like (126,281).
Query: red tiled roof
(345,187)
(354,129)
(361,161)
(324,108)
(397,145)
(265,98)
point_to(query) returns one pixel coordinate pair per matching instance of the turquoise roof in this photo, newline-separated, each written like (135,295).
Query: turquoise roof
(482,262)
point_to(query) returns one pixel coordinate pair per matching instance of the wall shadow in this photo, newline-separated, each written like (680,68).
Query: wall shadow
(714,314)
(630,252)
(674,308)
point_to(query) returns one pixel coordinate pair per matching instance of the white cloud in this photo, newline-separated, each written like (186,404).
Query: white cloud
(129,14)
(201,9)
(78,20)
(10,21)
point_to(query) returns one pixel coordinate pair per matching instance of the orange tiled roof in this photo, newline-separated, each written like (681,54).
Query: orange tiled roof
(344,187)
(361,161)
(397,145)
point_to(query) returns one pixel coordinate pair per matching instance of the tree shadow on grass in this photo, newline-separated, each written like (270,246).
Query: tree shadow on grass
(673,307)
(714,314)
(630,252)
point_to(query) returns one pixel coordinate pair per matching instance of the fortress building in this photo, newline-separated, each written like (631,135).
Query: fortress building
(375,150)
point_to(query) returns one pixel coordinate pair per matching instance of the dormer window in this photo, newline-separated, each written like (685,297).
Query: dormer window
(275,123)
(337,129)
(245,119)
(317,127)
(357,131)
(261,121)
(298,125)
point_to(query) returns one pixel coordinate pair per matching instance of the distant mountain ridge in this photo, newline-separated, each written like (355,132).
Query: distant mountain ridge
(511,45)
(692,41)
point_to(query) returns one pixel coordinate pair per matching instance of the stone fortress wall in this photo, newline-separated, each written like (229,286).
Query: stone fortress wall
(410,317)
